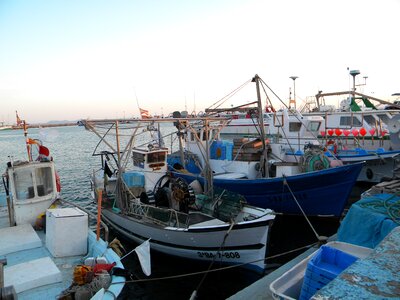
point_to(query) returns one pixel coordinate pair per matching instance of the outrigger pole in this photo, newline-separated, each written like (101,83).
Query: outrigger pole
(263,162)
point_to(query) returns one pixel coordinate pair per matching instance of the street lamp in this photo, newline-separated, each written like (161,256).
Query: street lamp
(294,92)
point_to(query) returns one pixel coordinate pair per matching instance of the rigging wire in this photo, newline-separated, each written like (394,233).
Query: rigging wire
(225,98)
(295,115)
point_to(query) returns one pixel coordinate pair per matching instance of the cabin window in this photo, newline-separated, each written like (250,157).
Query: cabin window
(384,118)
(370,120)
(314,126)
(138,159)
(44,181)
(23,181)
(214,133)
(193,135)
(156,157)
(294,126)
(350,121)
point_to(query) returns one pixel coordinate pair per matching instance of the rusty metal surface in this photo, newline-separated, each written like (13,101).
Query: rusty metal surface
(375,277)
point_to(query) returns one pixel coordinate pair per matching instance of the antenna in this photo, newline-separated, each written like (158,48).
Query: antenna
(194,101)
(293,101)
(354,73)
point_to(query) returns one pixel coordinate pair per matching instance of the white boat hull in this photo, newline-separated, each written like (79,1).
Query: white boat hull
(246,242)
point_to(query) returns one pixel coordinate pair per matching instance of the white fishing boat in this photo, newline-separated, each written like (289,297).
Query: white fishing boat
(352,134)
(5,127)
(361,120)
(142,202)
(45,249)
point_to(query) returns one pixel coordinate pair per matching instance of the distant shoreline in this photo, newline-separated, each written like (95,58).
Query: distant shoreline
(15,127)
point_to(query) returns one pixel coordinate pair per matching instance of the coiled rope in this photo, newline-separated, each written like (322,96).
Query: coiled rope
(389,206)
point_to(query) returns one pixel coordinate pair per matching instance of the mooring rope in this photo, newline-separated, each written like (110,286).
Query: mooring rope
(320,238)
(218,269)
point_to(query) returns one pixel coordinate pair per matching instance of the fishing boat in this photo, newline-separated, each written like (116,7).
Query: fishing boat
(5,126)
(256,170)
(46,248)
(356,131)
(143,202)
(379,164)
(361,120)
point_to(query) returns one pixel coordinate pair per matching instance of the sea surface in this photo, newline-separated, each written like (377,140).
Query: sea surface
(172,278)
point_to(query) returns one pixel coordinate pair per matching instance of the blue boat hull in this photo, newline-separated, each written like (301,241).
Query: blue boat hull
(322,192)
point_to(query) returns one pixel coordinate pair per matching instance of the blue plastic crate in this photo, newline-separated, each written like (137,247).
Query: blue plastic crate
(229,150)
(308,289)
(218,150)
(133,179)
(322,268)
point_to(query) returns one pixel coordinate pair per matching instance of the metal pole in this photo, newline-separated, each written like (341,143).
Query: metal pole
(118,149)
(264,164)
(294,90)
(3,262)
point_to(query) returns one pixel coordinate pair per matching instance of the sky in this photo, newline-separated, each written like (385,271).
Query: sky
(75,59)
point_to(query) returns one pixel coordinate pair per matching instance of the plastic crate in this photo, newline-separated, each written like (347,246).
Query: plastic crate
(133,179)
(325,265)
(218,150)
(229,150)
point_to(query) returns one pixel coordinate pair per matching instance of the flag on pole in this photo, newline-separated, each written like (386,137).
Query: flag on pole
(143,252)
(144,113)
(19,121)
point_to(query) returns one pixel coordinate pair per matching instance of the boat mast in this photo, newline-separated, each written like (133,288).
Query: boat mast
(263,162)
(208,173)
(118,148)
(28,147)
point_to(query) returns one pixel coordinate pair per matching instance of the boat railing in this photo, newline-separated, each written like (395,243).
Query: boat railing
(159,215)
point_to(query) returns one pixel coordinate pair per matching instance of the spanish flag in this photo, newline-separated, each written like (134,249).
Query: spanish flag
(144,114)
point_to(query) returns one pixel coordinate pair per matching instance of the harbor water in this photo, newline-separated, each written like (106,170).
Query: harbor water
(172,278)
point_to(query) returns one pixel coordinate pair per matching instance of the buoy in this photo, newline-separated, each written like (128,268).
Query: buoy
(363,131)
(346,132)
(336,163)
(355,132)
(338,132)
(330,132)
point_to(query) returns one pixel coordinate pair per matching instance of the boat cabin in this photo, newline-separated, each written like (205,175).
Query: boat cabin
(31,188)
(152,162)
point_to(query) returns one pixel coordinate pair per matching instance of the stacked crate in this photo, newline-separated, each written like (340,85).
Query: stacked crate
(245,149)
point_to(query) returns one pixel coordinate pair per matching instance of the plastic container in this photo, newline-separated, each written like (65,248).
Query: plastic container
(229,150)
(289,285)
(325,265)
(222,150)
(217,150)
(66,231)
(92,261)
(133,179)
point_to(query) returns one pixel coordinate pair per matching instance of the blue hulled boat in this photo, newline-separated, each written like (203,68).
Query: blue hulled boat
(323,192)
(313,185)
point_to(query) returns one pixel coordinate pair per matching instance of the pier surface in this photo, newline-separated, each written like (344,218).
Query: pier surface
(375,277)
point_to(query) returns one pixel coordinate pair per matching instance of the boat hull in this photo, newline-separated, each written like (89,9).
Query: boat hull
(245,244)
(323,192)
